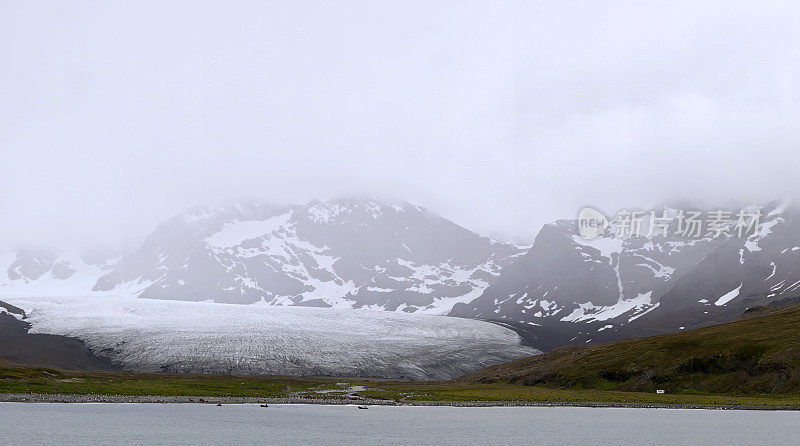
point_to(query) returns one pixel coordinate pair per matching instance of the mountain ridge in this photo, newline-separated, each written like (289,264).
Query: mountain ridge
(352,252)
(567,290)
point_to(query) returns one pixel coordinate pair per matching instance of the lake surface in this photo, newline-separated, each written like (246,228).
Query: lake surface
(68,424)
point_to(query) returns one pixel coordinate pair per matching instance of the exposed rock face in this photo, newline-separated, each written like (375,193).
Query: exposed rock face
(567,290)
(46,350)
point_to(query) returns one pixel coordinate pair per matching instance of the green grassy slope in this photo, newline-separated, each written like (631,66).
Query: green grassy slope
(757,354)
(19,379)
(16,378)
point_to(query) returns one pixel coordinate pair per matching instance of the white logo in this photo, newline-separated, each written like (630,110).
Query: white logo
(591,223)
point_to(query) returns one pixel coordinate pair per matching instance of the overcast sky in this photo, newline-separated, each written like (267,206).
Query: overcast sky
(499,115)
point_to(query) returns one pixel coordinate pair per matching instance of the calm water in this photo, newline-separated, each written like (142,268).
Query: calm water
(66,424)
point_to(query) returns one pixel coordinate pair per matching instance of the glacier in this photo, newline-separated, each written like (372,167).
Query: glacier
(147,335)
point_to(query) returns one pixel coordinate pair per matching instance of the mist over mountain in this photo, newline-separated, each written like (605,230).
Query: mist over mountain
(502,116)
(354,252)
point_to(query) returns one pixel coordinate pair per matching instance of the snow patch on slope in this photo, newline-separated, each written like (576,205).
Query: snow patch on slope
(727,297)
(237,232)
(590,312)
(606,245)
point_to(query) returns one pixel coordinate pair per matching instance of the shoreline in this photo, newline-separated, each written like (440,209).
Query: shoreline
(156,399)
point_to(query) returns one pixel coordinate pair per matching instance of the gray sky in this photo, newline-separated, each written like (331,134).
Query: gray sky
(499,115)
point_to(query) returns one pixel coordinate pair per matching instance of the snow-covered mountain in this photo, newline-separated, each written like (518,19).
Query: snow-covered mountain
(356,253)
(346,253)
(394,256)
(42,272)
(568,290)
